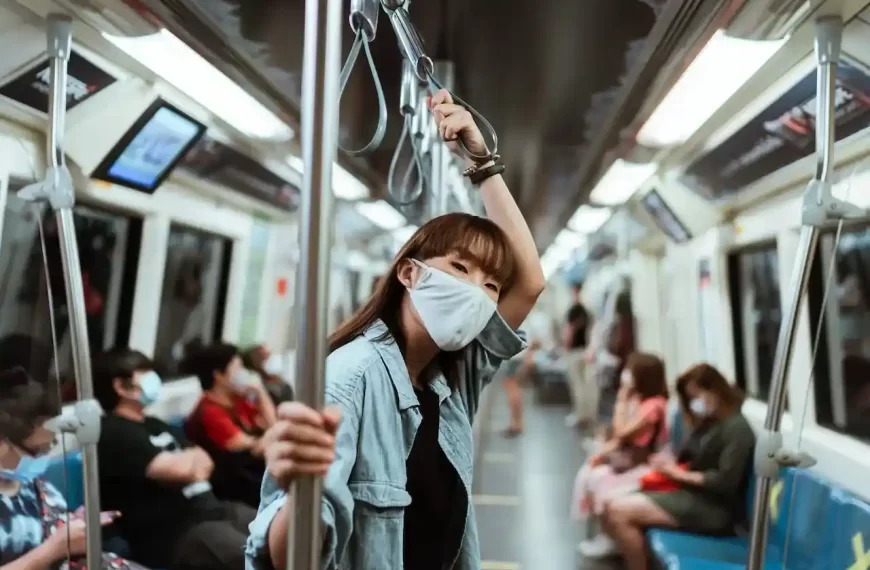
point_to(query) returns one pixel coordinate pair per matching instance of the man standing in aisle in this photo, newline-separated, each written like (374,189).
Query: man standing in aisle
(584,393)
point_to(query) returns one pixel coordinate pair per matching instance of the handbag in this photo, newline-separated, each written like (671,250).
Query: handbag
(54,516)
(656,481)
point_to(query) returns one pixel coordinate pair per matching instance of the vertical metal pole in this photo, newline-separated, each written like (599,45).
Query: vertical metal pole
(827,48)
(439,194)
(61,195)
(320,94)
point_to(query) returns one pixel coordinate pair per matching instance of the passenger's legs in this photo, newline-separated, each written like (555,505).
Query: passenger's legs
(216,545)
(626,518)
(583,393)
(515,403)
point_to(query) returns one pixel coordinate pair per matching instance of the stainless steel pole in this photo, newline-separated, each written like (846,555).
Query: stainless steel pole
(439,194)
(320,94)
(827,49)
(61,195)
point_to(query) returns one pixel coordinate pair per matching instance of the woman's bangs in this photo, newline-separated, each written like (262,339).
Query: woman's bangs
(475,239)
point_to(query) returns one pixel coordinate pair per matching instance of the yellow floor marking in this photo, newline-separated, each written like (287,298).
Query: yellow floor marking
(775,494)
(494,565)
(862,557)
(497,500)
(495,457)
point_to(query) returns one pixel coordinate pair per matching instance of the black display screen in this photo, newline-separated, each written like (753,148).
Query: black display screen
(664,217)
(151,148)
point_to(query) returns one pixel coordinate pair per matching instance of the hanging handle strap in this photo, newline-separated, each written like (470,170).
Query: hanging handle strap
(362,41)
(483,124)
(416,163)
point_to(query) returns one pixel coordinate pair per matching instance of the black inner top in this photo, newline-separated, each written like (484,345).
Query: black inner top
(435,520)
(578,318)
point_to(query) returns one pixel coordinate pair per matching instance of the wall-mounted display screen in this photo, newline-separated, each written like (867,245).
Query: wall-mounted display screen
(780,135)
(664,217)
(151,148)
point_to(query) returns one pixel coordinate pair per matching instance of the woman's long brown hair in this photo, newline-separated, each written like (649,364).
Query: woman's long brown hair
(471,237)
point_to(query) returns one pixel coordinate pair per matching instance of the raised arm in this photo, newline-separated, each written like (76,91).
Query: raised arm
(514,304)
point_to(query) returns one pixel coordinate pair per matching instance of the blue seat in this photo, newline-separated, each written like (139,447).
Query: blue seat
(802,527)
(851,534)
(66,473)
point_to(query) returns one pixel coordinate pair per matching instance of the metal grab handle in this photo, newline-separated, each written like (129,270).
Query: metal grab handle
(423,67)
(57,189)
(362,41)
(482,123)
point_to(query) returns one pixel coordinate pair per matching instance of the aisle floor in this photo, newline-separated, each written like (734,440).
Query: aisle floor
(523,489)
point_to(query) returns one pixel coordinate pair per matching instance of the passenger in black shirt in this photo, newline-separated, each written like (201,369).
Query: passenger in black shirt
(159,481)
(584,390)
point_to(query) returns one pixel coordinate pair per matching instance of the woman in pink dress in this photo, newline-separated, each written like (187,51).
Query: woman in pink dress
(639,428)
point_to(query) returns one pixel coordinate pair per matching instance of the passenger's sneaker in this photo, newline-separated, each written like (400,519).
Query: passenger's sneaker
(601,546)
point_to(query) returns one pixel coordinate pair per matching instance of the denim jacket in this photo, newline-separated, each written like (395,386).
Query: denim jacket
(364,494)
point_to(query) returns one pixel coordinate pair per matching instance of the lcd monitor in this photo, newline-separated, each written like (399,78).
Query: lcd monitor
(151,148)
(664,217)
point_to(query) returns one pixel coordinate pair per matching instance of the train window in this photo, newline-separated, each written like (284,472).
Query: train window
(254,282)
(842,373)
(108,253)
(194,296)
(756,316)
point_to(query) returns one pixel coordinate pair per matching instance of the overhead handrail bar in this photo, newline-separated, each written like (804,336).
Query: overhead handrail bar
(57,190)
(819,208)
(412,48)
(409,99)
(364,23)
(319,132)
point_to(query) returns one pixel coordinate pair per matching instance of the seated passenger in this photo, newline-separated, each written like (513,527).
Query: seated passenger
(151,473)
(229,421)
(710,492)
(639,429)
(31,508)
(404,375)
(270,369)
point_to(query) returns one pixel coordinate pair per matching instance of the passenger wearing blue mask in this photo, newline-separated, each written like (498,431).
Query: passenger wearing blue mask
(152,473)
(32,510)
(403,383)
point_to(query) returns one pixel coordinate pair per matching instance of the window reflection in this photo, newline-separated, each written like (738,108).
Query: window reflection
(755,293)
(108,253)
(843,386)
(194,295)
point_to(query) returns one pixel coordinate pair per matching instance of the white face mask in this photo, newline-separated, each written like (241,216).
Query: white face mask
(242,380)
(698,407)
(273,365)
(453,311)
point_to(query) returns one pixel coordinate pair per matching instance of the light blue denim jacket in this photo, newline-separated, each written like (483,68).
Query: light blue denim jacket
(364,494)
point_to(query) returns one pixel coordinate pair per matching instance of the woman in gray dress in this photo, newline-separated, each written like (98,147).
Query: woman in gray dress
(711,497)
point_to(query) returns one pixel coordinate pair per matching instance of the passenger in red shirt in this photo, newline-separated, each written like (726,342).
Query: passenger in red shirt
(235,408)
(229,421)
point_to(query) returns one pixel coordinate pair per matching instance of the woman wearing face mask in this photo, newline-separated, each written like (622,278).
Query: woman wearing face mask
(32,510)
(710,488)
(269,368)
(403,379)
(639,429)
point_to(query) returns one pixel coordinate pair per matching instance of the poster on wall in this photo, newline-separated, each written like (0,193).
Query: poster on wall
(707,311)
(780,135)
(31,87)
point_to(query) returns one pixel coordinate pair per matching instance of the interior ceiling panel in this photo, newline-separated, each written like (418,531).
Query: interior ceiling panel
(546,74)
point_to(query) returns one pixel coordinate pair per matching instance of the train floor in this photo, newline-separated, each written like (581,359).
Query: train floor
(523,489)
